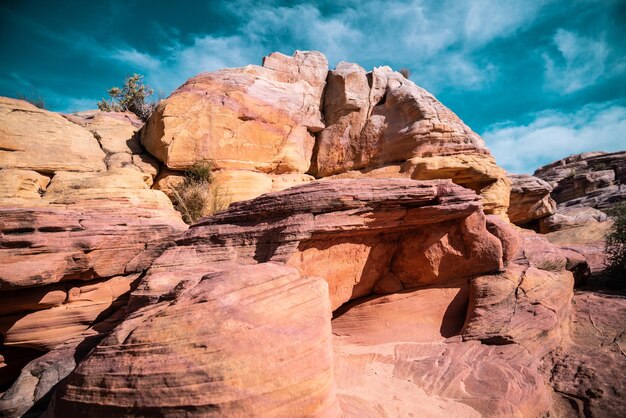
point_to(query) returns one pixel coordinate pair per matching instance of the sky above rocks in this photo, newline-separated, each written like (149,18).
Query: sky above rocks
(538,79)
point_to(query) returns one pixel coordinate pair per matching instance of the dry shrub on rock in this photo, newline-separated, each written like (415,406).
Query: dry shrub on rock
(199,195)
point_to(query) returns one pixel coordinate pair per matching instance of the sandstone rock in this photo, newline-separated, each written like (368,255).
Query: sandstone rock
(41,246)
(530,199)
(507,235)
(239,185)
(390,364)
(62,313)
(588,372)
(252,118)
(121,187)
(284,181)
(115,131)
(380,119)
(587,239)
(118,136)
(266,351)
(349,232)
(587,180)
(167,180)
(21,185)
(526,306)
(27,133)
(31,392)
(571,217)
(405,122)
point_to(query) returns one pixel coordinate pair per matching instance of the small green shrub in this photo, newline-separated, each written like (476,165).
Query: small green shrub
(616,242)
(198,195)
(132,97)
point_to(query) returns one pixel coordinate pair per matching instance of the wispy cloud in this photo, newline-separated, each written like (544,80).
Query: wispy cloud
(422,35)
(553,135)
(135,58)
(579,63)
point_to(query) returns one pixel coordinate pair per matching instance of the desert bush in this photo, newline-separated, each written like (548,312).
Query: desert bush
(406,73)
(200,171)
(552,264)
(198,195)
(35,99)
(616,242)
(133,96)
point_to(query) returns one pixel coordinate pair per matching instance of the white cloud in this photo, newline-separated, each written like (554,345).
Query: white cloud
(553,135)
(487,20)
(580,63)
(437,40)
(139,59)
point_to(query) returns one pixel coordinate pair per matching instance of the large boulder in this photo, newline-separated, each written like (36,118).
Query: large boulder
(587,180)
(530,199)
(266,351)
(380,124)
(259,120)
(28,133)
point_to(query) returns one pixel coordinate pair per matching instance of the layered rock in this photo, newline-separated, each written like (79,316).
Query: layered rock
(380,124)
(357,234)
(76,228)
(27,133)
(587,180)
(588,371)
(250,122)
(426,244)
(530,199)
(118,136)
(265,352)
(260,125)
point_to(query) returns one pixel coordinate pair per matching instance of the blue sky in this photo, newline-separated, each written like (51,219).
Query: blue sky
(538,79)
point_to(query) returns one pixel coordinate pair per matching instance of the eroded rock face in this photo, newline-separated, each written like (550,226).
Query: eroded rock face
(357,234)
(261,124)
(587,180)
(252,118)
(426,245)
(588,371)
(380,124)
(78,224)
(241,362)
(530,199)
(27,133)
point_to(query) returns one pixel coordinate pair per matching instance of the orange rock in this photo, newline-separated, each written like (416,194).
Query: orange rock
(530,199)
(349,232)
(380,119)
(252,118)
(265,352)
(29,133)
(57,319)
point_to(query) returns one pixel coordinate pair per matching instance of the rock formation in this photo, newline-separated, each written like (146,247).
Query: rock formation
(266,127)
(362,237)
(530,199)
(380,124)
(78,225)
(374,273)
(254,123)
(584,182)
